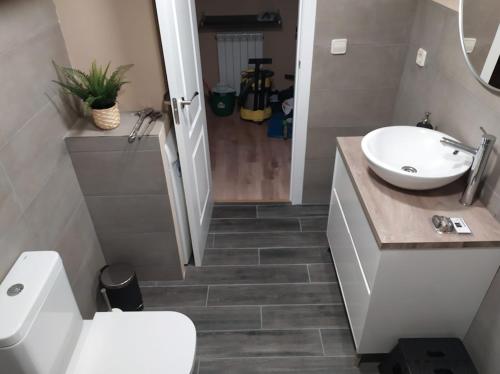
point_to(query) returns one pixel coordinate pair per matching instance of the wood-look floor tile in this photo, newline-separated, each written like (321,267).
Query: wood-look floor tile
(313,224)
(271,240)
(304,316)
(234,211)
(259,343)
(231,225)
(174,296)
(322,273)
(276,294)
(280,365)
(222,318)
(312,255)
(338,342)
(231,257)
(247,274)
(281,211)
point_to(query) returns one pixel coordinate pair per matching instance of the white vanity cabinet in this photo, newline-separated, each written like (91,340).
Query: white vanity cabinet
(407,292)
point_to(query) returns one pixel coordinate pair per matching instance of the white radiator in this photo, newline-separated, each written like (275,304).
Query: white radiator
(234,50)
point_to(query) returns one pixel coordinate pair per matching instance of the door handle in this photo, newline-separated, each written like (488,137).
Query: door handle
(183,102)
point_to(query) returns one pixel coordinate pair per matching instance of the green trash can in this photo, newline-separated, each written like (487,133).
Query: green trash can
(223,100)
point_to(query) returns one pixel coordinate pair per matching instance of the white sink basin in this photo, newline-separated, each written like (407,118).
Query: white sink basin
(414,158)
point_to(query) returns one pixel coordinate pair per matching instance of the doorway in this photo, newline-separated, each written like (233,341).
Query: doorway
(250,157)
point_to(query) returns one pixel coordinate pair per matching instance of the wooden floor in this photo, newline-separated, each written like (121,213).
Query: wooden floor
(247,166)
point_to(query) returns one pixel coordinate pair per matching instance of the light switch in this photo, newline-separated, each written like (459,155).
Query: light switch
(339,47)
(421,57)
(470,44)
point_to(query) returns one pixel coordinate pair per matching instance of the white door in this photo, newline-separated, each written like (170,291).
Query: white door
(179,38)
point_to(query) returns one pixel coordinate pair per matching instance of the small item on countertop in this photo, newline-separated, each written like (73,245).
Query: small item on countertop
(460,226)
(152,119)
(426,123)
(443,224)
(142,114)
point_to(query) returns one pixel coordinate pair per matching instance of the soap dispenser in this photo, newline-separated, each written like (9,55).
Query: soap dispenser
(426,123)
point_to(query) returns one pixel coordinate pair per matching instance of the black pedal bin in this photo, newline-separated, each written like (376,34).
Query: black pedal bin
(120,287)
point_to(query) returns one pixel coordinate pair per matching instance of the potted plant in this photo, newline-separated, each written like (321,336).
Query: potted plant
(97,90)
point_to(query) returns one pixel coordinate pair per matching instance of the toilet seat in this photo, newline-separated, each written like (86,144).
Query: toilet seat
(136,343)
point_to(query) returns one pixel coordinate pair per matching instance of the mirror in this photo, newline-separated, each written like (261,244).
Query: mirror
(480,34)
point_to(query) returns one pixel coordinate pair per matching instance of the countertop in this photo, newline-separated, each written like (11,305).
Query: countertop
(401,219)
(84,136)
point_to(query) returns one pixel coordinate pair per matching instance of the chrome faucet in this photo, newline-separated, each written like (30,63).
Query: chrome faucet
(481,155)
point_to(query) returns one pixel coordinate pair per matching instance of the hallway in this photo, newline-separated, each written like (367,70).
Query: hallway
(266,299)
(247,165)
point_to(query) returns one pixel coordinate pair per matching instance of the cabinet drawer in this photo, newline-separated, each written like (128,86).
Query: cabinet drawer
(362,236)
(352,282)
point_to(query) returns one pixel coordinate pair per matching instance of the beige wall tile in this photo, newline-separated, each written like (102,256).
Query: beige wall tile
(39,193)
(119,173)
(20,20)
(370,107)
(78,244)
(130,213)
(161,261)
(364,21)
(318,180)
(364,66)
(34,152)
(26,73)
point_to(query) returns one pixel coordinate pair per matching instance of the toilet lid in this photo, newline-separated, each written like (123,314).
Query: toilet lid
(138,342)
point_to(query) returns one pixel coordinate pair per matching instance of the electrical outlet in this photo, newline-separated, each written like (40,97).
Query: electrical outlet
(421,57)
(339,47)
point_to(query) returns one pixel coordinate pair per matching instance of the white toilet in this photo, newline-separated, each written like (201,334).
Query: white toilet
(42,331)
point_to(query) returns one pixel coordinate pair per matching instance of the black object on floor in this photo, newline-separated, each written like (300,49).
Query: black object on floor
(428,356)
(120,288)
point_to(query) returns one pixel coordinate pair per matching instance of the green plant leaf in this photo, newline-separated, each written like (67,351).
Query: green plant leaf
(95,88)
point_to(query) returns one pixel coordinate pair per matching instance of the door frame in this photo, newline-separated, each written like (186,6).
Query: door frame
(303,74)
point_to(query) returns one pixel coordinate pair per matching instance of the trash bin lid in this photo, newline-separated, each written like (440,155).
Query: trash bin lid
(223,89)
(117,275)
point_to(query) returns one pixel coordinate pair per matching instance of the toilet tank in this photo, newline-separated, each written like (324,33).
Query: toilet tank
(39,319)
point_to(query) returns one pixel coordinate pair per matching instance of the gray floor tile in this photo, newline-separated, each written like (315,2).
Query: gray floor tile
(271,240)
(232,225)
(278,294)
(280,365)
(174,296)
(259,343)
(234,211)
(304,316)
(314,224)
(322,273)
(338,342)
(210,241)
(222,318)
(247,274)
(231,257)
(280,211)
(314,255)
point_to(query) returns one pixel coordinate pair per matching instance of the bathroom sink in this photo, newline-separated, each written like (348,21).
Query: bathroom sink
(414,158)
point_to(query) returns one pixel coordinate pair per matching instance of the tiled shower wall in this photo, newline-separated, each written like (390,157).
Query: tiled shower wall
(354,93)
(459,105)
(41,205)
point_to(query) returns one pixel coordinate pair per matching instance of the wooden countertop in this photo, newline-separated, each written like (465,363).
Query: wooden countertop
(401,219)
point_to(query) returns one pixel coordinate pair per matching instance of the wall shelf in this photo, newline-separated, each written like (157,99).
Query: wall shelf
(250,22)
